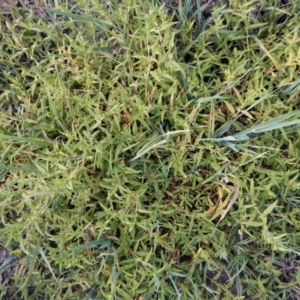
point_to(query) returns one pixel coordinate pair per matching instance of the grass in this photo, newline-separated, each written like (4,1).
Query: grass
(149,151)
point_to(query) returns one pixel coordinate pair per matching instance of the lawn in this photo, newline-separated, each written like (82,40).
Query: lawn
(150,150)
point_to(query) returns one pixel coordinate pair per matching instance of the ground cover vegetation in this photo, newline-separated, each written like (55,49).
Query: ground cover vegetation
(150,150)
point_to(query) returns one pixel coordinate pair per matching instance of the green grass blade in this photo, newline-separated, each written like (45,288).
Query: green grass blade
(25,140)
(80,18)
(47,263)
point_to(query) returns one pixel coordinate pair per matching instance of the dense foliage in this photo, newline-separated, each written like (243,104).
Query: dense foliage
(149,151)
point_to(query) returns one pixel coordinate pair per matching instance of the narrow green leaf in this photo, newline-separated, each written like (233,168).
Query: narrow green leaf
(80,17)
(25,140)
(8,262)
(47,263)
(103,243)
(269,125)
(290,89)
(269,208)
